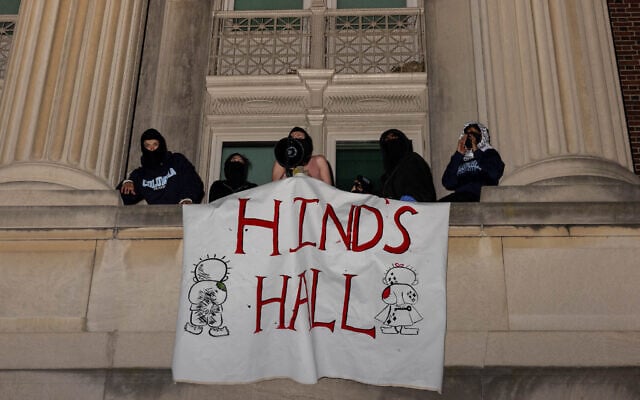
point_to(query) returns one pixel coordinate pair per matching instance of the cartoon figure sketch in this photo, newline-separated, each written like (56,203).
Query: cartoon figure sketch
(399,314)
(207,295)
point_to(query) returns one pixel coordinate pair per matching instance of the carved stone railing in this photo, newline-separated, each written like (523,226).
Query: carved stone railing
(246,43)
(375,41)
(347,41)
(7,28)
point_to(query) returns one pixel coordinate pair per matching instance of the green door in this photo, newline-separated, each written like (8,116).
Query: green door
(240,5)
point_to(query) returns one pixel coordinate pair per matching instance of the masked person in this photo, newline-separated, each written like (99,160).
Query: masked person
(163,178)
(315,166)
(474,164)
(407,175)
(236,170)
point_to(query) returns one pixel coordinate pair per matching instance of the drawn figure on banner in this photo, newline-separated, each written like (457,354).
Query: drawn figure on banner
(399,314)
(207,295)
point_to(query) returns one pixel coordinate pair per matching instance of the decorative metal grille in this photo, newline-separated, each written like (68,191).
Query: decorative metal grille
(374,42)
(264,44)
(7,28)
(351,41)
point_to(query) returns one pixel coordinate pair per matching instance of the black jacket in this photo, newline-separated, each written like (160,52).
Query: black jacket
(411,177)
(223,188)
(485,169)
(175,179)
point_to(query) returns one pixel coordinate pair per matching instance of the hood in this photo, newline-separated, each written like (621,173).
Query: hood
(394,150)
(236,172)
(485,143)
(152,158)
(307,143)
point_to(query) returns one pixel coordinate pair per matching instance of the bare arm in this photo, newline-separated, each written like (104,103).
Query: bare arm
(323,169)
(277,172)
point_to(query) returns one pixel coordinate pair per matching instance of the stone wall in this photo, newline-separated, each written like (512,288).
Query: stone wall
(542,298)
(625,27)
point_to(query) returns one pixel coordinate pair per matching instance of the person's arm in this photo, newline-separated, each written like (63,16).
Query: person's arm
(216,191)
(191,186)
(491,164)
(277,172)
(323,168)
(414,181)
(428,189)
(128,191)
(450,175)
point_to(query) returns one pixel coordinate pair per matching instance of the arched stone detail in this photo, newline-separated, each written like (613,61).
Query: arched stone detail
(570,169)
(45,175)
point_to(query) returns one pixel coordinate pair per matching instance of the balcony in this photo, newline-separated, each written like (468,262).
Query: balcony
(353,41)
(7,29)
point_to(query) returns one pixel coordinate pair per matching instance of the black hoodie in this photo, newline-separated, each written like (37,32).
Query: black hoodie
(164,177)
(406,173)
(236,174)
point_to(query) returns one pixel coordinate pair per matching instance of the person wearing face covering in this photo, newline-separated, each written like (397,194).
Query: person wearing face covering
(473,165)
(236,170)
(163,178)
(315,166)
(407,175)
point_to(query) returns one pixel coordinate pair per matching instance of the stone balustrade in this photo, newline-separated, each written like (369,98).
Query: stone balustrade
(95,289)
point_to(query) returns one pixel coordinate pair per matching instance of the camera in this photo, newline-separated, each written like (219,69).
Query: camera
(467,143)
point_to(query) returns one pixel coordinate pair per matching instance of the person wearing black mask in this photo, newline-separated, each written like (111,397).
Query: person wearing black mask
(163,178)
(474,164)
(407,175)
(315,166)
(236,170)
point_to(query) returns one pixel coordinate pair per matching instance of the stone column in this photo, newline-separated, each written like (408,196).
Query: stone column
(316,56)
(550,92)
(172,78)
(66,109)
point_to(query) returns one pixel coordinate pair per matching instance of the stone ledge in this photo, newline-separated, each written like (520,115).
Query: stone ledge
(562,193)
(30,197)
(462,215)
(39,351)
(458,383)
(143,349)
(563,349)
(55,350)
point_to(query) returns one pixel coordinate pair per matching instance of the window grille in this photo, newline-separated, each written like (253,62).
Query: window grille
(358,41)
(7,29)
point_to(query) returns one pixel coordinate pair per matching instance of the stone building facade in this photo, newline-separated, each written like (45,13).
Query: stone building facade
(625,26)
(542,279)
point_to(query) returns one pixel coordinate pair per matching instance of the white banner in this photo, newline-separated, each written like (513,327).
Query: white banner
(298,279)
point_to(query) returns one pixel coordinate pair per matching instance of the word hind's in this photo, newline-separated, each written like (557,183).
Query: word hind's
(351,234)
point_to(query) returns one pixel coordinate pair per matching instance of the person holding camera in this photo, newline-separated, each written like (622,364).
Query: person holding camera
(362,184)
(407,175)
(315,166)
(236,172)
(474,164)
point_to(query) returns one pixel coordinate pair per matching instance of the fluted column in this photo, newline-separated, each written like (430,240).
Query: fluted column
(552,93)
(66,109)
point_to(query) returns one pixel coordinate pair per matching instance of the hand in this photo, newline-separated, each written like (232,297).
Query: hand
(474,144)
(406,197)
(461,149)
(128,188)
